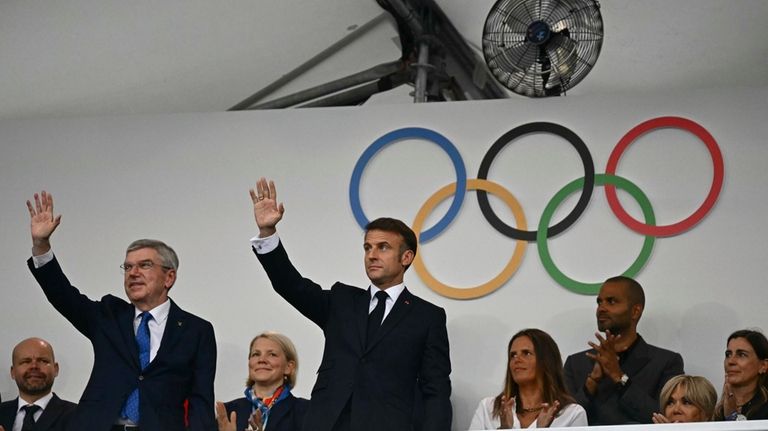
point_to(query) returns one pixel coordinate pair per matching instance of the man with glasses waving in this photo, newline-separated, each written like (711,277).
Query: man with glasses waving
(154,363)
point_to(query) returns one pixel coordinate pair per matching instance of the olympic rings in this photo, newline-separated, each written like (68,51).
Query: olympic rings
(706,206)
(609,180)
(549,210)
(525,129)
(511,266)
(406,133)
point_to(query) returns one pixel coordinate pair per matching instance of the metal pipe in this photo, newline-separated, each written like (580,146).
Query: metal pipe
(360,94)
(407,14)
(312,62)
(365,76)
(420,93)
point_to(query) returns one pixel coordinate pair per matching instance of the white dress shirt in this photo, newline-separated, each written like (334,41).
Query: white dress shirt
(42,403)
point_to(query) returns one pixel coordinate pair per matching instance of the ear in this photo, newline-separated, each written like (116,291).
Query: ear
(170,278)
(289,368)
(763,366)
(637,311)
(55,369)
(407,257)
(11,373)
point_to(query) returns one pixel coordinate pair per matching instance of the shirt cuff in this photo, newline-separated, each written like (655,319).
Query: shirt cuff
(265,245)
(44,258)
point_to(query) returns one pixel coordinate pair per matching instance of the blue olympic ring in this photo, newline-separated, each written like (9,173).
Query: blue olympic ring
(409,133)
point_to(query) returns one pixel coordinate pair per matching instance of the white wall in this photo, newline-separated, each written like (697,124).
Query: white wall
(185,179)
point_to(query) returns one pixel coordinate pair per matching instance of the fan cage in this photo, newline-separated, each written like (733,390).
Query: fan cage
(549,68)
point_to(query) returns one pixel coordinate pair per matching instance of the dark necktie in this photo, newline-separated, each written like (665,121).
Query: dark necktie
(29,417)
(131,407)
(377,315)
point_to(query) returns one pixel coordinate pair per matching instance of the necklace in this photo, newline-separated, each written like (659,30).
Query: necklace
(531,410)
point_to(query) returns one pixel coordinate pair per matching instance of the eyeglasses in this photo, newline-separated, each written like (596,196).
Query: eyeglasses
(144,265)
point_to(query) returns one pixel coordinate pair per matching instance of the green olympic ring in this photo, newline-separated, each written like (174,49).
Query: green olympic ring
(600,180)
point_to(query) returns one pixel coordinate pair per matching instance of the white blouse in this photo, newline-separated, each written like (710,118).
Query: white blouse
(573,415)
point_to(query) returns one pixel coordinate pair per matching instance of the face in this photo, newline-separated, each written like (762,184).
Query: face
(680,409)
(33,368)
(384,264)
(522,361)
(267,364)
(614,311)
(147,288)
(742,366)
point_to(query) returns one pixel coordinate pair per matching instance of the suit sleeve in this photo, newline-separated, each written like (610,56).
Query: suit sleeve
(574,381)
(639,404)
(64,297)
(303,294)
(201,398)
(434,380)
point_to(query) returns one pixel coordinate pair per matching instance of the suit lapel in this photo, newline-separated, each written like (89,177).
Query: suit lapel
(128,347)
(637,359)
(361,304)
(8,413)
(174,327)
(278,412)
(402,308)
(51,412)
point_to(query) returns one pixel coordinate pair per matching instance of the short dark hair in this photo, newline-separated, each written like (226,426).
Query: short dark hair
(634,289)
(394,225)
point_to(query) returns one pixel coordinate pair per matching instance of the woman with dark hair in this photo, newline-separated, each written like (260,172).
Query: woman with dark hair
(686,398)
(745,390)
(268,404)
(534,394)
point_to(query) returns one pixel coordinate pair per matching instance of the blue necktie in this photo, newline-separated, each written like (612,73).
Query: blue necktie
(131,407)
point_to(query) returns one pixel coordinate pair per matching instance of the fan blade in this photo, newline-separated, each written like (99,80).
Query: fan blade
(516,57)
(561,51)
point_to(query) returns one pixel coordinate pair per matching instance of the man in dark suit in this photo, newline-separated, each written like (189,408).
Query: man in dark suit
(37,408)
(151,357)
(386,350)
(619,380)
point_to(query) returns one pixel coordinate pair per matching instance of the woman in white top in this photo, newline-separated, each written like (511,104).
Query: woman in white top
(534,394)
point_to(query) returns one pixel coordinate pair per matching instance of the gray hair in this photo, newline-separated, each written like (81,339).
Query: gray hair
(169,258)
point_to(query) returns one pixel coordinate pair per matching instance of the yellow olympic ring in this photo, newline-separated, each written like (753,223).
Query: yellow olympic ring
(509,269)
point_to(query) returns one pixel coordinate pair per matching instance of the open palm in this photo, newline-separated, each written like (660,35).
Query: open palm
(42,221)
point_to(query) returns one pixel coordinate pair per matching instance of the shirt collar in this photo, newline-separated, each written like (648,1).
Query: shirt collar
(159,313)
(393,292)
(42,402)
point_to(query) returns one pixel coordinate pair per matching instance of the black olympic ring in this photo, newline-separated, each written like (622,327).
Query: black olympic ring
(586,192)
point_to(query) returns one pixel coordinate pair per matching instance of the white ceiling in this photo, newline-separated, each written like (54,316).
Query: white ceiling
(108,57)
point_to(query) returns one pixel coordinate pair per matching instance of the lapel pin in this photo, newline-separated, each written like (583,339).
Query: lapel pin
(179,323)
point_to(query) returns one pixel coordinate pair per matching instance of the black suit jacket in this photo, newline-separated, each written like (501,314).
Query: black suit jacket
(183,368)
(55,417)
(407,359)
(648,368)
(287,415)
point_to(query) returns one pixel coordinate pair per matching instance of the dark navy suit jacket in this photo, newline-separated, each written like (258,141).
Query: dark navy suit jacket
(54,418)
(183,368)
(648,368)
(405,368)
(287,415)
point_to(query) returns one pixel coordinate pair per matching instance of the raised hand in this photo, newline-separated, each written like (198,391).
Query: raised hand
(42,223)
(266,210)
(226,423)
(607,355)
(659,418)
(507,411)
(547,414)
(255,421)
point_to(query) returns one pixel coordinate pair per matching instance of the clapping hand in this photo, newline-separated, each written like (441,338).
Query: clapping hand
(607,355)
(507,409)
(266,210)
(659,418)
(547,414)
(255,421)
(226,422)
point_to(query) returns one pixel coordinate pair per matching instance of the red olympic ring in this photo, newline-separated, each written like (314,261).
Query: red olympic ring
(706,206)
